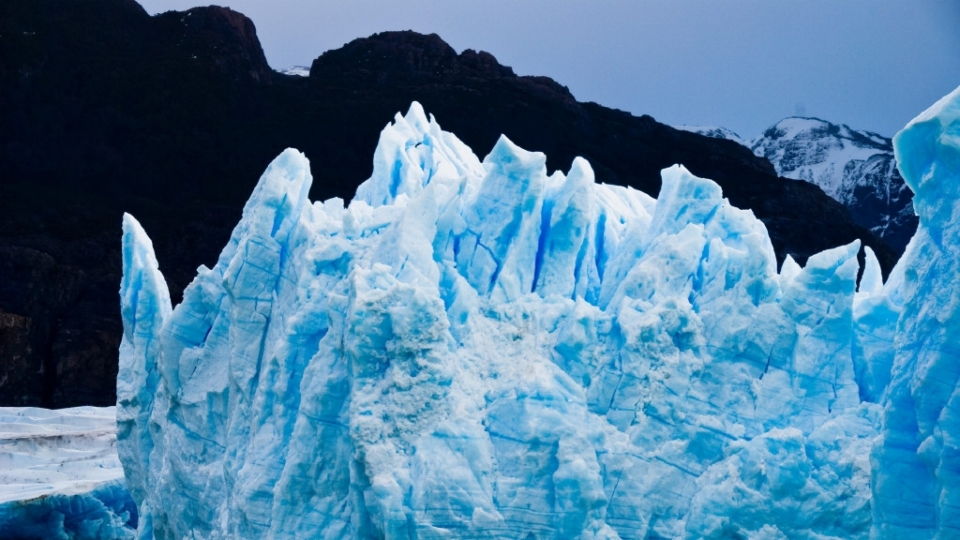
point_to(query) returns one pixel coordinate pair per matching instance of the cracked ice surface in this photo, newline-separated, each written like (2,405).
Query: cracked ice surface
(485,350)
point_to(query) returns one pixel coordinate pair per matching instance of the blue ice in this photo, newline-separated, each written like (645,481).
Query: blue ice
(488,349)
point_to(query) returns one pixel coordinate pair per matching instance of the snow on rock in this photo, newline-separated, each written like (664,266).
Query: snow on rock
(487,349)
(716,132)
(298,71)
(856,168)
(60,476)
(817,151)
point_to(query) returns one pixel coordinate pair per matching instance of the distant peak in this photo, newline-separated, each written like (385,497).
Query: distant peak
(407,53)
(804,119)
(714,132)
(408,57)
(409,37)
(794,126)
(226,37)
(298,71)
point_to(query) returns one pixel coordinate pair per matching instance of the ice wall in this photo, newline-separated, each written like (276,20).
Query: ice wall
(490,350)
(916,478)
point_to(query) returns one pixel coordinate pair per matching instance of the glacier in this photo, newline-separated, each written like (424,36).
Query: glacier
(60,477)
(483,349)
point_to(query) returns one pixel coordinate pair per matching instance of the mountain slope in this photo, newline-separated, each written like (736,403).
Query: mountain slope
(109,110)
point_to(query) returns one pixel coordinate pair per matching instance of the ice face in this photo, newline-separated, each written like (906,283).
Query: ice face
(487,350)
(916,478)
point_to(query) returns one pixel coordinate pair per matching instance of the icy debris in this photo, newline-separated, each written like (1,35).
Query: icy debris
(60,476)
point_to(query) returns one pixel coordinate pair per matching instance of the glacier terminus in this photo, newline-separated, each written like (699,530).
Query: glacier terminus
(486,349)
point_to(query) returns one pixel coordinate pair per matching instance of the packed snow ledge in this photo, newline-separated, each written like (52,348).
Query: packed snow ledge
(482,350)
(60,476)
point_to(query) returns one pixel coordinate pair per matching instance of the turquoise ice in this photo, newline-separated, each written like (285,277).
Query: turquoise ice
(916,476)
(488,349)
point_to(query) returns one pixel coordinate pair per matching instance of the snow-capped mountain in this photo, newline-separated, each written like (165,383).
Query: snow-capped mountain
(857,168)
(299,71)
(716,132)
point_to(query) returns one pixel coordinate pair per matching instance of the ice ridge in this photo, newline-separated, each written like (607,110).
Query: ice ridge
(485,350)
(916,479)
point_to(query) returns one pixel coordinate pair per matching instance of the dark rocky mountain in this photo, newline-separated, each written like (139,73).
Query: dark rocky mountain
(172,118)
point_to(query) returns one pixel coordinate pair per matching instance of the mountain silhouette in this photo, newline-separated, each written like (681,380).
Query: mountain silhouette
(173,117)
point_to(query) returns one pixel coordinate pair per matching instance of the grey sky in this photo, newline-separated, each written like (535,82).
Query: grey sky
(742,64)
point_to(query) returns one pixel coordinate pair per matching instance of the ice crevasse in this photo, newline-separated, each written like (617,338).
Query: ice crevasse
(485,350)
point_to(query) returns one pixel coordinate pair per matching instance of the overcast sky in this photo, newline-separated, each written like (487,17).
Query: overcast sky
(742,64)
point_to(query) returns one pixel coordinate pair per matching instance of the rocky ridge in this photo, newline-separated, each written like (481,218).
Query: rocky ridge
(172,117)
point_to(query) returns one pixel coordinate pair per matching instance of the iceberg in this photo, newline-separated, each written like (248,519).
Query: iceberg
(487,349)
